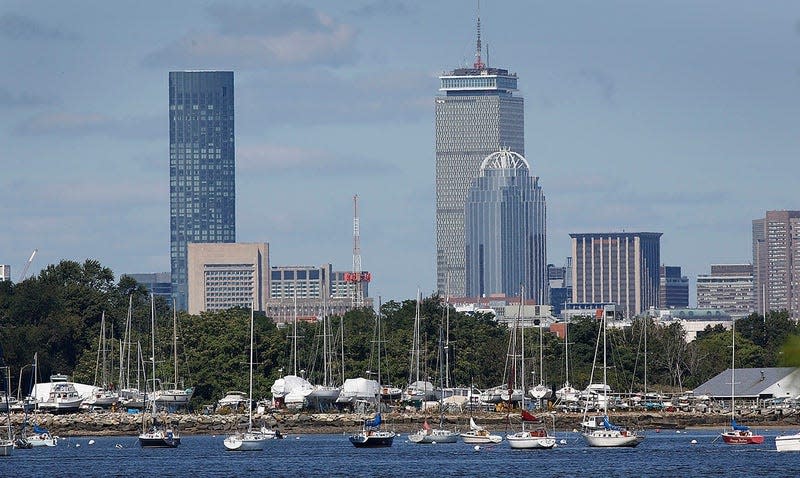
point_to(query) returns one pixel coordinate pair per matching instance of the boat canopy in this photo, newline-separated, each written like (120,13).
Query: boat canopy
(527,417)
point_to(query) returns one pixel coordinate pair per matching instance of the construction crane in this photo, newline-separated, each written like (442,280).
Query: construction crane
(357,277)
(27,266)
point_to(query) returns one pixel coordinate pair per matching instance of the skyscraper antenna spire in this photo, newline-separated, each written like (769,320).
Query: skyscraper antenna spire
(478,63)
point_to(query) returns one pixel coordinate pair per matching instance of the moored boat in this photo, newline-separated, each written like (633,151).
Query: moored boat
(788,442)
(738,434)
(478,435)
(371,436)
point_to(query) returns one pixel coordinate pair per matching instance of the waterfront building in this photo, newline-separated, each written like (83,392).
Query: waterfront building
(729,287)
(5,272)
(477,114)
(157,283)
(620,268)
(776,262)
(505,231)
(225,275)
(753,384)
(673,289)
(505,309)
(692,320)
(202,167)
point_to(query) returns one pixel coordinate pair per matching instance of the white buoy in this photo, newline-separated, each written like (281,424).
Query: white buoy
(118,445)
(563,442)
(296,438)
(91,442)
(433,443)
(77,445)
(694,442)
(477,448)
(678,431)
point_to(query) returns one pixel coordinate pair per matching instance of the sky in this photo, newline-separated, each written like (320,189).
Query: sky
(677,117)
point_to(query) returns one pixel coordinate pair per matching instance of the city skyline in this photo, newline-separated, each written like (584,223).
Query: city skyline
(677,118)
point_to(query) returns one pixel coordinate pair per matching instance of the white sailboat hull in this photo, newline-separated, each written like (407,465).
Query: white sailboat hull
(528,441)
(788,442)
(250,441)
(478,438)
(612,438)
(433,436)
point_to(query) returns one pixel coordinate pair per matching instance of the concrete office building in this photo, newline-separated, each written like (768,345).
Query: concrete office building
(776,262)
(729,287)
(476,115)
(201,167)
(673,288)
(505,216)
(222,276)
(617,267)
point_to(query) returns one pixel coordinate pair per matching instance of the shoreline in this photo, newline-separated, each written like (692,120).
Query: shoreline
(126,424)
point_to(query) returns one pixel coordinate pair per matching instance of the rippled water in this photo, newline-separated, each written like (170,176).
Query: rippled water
(664,454)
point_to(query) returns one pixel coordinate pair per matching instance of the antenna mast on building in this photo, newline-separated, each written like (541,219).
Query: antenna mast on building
(357,277)
(478,63)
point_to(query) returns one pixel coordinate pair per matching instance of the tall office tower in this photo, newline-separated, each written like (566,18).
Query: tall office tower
(476,115)
(673,288)
(201,167)
(729,287)
(776,262)
(617,267)
(560,283)
(504,223)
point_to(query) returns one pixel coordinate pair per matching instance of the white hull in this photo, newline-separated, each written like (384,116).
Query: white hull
(324,394)
(62,405)
(612,438)
(42,440)
(433,436)
(479,438)
(788,442)
(250,441)
(528,441)
(173,397)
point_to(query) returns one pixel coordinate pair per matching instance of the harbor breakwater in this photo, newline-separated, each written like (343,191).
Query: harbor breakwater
(120,424)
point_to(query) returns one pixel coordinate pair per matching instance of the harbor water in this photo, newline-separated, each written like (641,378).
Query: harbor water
(665,454)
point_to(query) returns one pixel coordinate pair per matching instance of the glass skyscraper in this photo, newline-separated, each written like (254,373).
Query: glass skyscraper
(505,227)
(476,115)
(202,182)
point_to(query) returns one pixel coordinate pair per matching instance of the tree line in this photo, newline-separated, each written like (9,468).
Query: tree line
(56,316)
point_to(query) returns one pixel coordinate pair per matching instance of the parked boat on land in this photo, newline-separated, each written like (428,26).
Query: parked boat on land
(7,444)
(63,396)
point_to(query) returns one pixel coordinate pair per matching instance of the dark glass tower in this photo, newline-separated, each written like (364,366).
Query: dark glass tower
(505,227)
(202,184)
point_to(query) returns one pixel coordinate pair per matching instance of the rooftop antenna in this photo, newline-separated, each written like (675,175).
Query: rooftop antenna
(357,277)
(478,63)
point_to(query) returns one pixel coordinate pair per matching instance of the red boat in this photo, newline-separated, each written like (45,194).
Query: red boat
(741,435)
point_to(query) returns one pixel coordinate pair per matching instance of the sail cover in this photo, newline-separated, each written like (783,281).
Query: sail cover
(527,417)
(375,422)
(736,426)
(608,425)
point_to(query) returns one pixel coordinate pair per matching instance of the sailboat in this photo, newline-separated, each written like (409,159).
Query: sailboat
(174,397)
(738,434)
(102,395)
(436,435)
(249,440)
(540,391)
(607,434)
(7,444)
(478,435)
(537,437)
(324,396)
(159,435)
(371,436)
(418,391)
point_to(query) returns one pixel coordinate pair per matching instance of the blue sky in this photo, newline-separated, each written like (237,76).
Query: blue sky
(677,117)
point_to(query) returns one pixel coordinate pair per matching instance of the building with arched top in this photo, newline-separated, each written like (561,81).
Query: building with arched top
(505,231)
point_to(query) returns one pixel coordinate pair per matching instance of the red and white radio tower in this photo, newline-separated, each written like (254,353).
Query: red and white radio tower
(357,277)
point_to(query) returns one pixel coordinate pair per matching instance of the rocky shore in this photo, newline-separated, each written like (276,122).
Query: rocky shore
(120,424)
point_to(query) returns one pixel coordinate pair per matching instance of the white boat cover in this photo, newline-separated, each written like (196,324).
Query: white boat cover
(293,384)
(359,389)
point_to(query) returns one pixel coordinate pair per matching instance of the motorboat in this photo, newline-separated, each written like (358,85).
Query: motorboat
(63,396)
(233,400)
(788,442)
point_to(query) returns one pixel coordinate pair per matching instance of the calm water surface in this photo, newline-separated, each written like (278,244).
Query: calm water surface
(664,454)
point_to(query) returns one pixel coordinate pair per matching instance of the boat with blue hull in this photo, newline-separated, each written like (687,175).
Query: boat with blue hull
(371,436)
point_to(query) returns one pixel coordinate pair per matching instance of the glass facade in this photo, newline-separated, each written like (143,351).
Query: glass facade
(476,116)
(505,230)
(202,166)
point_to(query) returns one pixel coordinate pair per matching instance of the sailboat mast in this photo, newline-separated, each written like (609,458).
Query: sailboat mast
(733,366)
(605,368)
(250,392)
(103,370)
(175,342)
(447,333)
(153,344)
